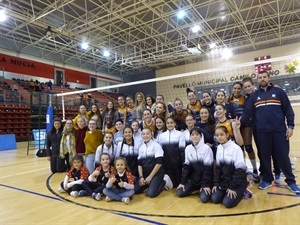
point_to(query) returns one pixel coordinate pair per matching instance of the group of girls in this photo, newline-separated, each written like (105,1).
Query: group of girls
(162,147)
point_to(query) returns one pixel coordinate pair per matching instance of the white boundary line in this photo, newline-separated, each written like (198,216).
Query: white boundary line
(17,174)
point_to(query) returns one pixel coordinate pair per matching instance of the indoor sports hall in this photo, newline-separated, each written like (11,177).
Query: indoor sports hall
(59,55)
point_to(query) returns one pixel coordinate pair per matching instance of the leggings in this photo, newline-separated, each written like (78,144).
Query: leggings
(76,187)
(189,187)
(92,187)
(155,187)
(220,196)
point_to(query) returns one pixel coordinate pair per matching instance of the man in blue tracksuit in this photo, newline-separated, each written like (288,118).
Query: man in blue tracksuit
(269,107)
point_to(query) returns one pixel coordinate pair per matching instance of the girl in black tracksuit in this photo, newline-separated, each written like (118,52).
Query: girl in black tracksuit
(53,145)
(151,172)
(197,172)
(173,143)
(230,181)
(129,150)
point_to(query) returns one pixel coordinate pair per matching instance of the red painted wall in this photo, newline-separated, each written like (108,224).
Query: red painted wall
(28,67)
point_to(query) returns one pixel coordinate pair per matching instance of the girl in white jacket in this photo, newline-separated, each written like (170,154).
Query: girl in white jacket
(197,172)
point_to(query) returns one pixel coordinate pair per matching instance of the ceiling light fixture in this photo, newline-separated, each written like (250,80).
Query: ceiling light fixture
(84,45)
(3,16)
(181,14)
(106,53)
(196,28)
(213,45)
(227,53)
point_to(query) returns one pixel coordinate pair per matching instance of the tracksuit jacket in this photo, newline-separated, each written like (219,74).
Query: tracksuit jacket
(269,108)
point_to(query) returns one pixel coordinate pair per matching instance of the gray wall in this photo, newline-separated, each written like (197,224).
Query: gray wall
(146,88)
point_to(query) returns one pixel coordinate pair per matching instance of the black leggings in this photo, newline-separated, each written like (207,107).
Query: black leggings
(76,187)
(220,196)
(155,187)
(92,187)
(189,187)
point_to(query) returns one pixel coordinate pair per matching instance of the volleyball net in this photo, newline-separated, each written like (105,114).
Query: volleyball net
(212,76)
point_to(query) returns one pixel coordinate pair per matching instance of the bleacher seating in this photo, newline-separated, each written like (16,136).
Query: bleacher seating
(22,96)
(15,119)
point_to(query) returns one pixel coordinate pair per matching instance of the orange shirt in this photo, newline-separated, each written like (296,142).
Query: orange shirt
(226,124)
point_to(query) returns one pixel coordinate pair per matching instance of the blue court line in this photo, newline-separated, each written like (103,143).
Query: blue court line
(290,195)
(281,186)
(141,219)
(31,192)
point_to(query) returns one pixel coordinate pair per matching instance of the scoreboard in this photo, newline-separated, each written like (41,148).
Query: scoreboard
(262,66)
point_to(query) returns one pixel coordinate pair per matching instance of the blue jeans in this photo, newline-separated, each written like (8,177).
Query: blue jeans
(118,193)
(90,162)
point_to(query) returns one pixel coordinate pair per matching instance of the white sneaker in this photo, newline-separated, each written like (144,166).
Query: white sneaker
(108,199)
(74,194)
(126,200)
(169,183)
(96,196)
(60,190)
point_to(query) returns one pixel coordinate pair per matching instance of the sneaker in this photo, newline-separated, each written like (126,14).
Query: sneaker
(277,179)
(82,193)
(108,199)
(74,194)
(61,190)
(96,196)
(294,188)
(264,185)
(126,200)
(261,177)
(169,183)
(247,194)
(254,177)
(255,171)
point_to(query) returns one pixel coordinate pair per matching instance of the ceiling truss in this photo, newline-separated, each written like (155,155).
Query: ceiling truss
(144,35)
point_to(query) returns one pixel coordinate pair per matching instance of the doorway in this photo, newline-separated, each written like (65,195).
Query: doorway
(59,77)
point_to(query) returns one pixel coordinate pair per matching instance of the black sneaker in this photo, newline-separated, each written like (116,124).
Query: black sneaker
(82,193)
(256,178)
(255,171)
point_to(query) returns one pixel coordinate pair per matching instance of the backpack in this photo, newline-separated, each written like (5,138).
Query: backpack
(41,153)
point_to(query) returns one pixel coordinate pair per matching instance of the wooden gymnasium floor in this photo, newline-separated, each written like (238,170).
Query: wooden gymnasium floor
(28,195)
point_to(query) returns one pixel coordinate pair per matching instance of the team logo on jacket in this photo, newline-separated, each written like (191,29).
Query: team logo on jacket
(258,98)
(273,95)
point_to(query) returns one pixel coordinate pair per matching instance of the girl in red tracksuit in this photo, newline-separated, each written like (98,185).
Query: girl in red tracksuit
(96,182)
(120,186)
(79,173)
